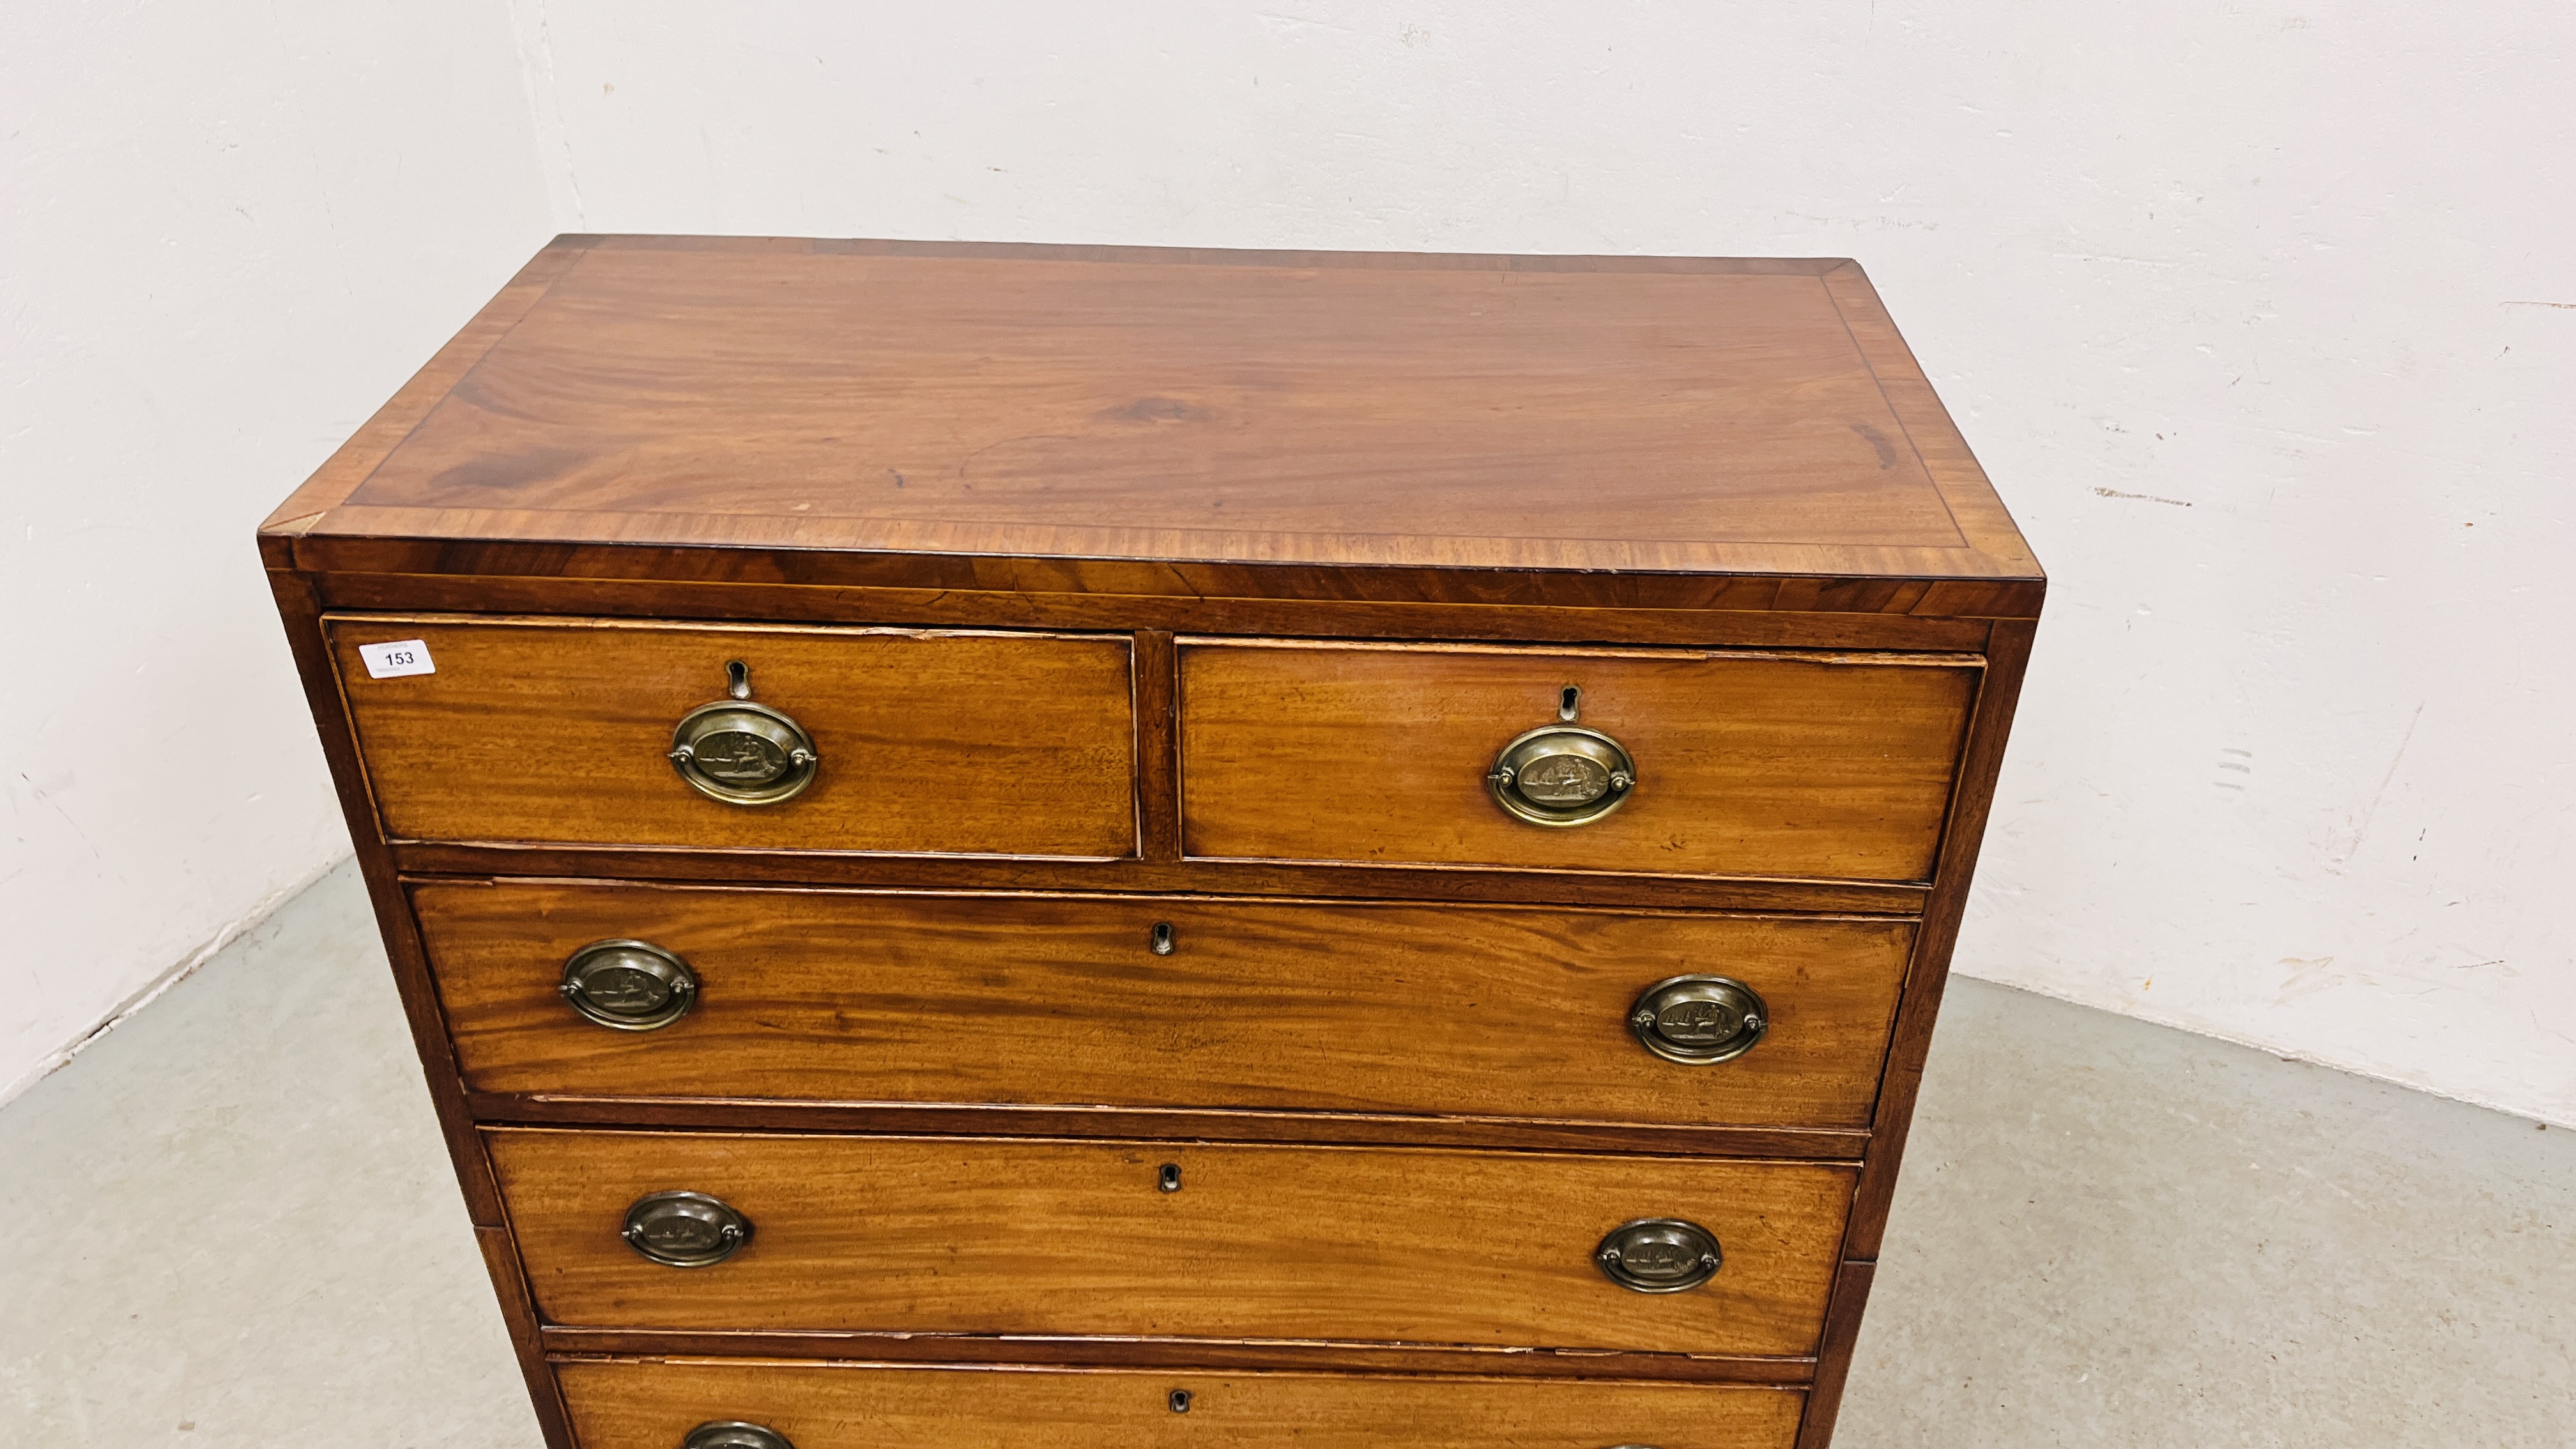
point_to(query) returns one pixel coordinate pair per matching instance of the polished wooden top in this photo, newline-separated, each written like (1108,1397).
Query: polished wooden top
(1594,430)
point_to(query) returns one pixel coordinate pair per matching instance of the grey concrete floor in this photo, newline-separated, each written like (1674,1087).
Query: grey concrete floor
(233,1224)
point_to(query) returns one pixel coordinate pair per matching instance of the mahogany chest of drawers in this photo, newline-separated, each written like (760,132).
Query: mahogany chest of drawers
(1086,846)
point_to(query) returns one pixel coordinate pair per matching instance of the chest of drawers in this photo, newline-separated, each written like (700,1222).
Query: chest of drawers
(1074,845)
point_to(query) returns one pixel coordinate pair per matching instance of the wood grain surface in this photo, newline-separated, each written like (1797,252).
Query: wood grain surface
(560,730)
(1181,1354)
(1194,1124)
(1727,621)
(419,552)
(1747,764)
(1394,1245)
(299,610)
(351,462)
(1298,540)
(1928,974)
(1834,1353)
(1373,1008)
(654,1403)
(1577,415)
(1462,884)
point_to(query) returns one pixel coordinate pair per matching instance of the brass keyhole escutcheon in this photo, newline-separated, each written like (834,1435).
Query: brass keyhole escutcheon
(685,1229)
(1562,775)
(629,985)
(735,1434)
(742,752)
(1658,1255)
(1699,1020)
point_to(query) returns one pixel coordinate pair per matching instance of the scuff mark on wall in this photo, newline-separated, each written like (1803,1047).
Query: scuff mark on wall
(539,78)
(2142,497)
(2337,859)
(2307,977)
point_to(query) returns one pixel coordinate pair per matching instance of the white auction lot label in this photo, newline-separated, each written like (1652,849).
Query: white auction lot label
(394,660)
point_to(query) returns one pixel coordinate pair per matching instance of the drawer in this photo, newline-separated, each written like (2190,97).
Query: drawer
(878,997)
(654,1403)
(563,731)
(1801,766)
(991,1236)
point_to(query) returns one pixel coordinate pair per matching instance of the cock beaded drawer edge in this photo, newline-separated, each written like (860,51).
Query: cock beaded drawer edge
(1103,846)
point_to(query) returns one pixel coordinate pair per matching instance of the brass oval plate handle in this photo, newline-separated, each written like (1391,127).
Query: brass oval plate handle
(1562,775)
(1658,1255)
(1699,1020)
(734,1434)
(741,752)
(685,1229)
(629,985)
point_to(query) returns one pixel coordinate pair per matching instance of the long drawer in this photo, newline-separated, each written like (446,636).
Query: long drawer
(655,1404)
(919,741)
(991,1236)
(1709,763)
(1100,1000)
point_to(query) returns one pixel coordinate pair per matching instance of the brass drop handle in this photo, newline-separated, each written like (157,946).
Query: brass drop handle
(1658,1255)
(1699,1020)
(741,752)
(1562,775)
(685,1229)
(629,985)
(734,1434)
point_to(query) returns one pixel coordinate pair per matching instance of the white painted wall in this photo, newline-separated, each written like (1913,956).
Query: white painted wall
(230,232)
(2258,312)
(2262,315)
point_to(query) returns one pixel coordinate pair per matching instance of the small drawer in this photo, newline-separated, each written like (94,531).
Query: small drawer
(986,1236)
(858,996)
(658,1403)
(566,731)
(1708,764)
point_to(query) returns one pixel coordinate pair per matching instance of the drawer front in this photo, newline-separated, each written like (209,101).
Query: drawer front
(653,1404)
(986,1236)
(873,997)
(1818,767)
(562,731)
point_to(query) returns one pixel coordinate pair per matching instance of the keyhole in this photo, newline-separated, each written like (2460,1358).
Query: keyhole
(1162,938)
(1180,1401)
(1168,1177)
(737,679)
(1569,705)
